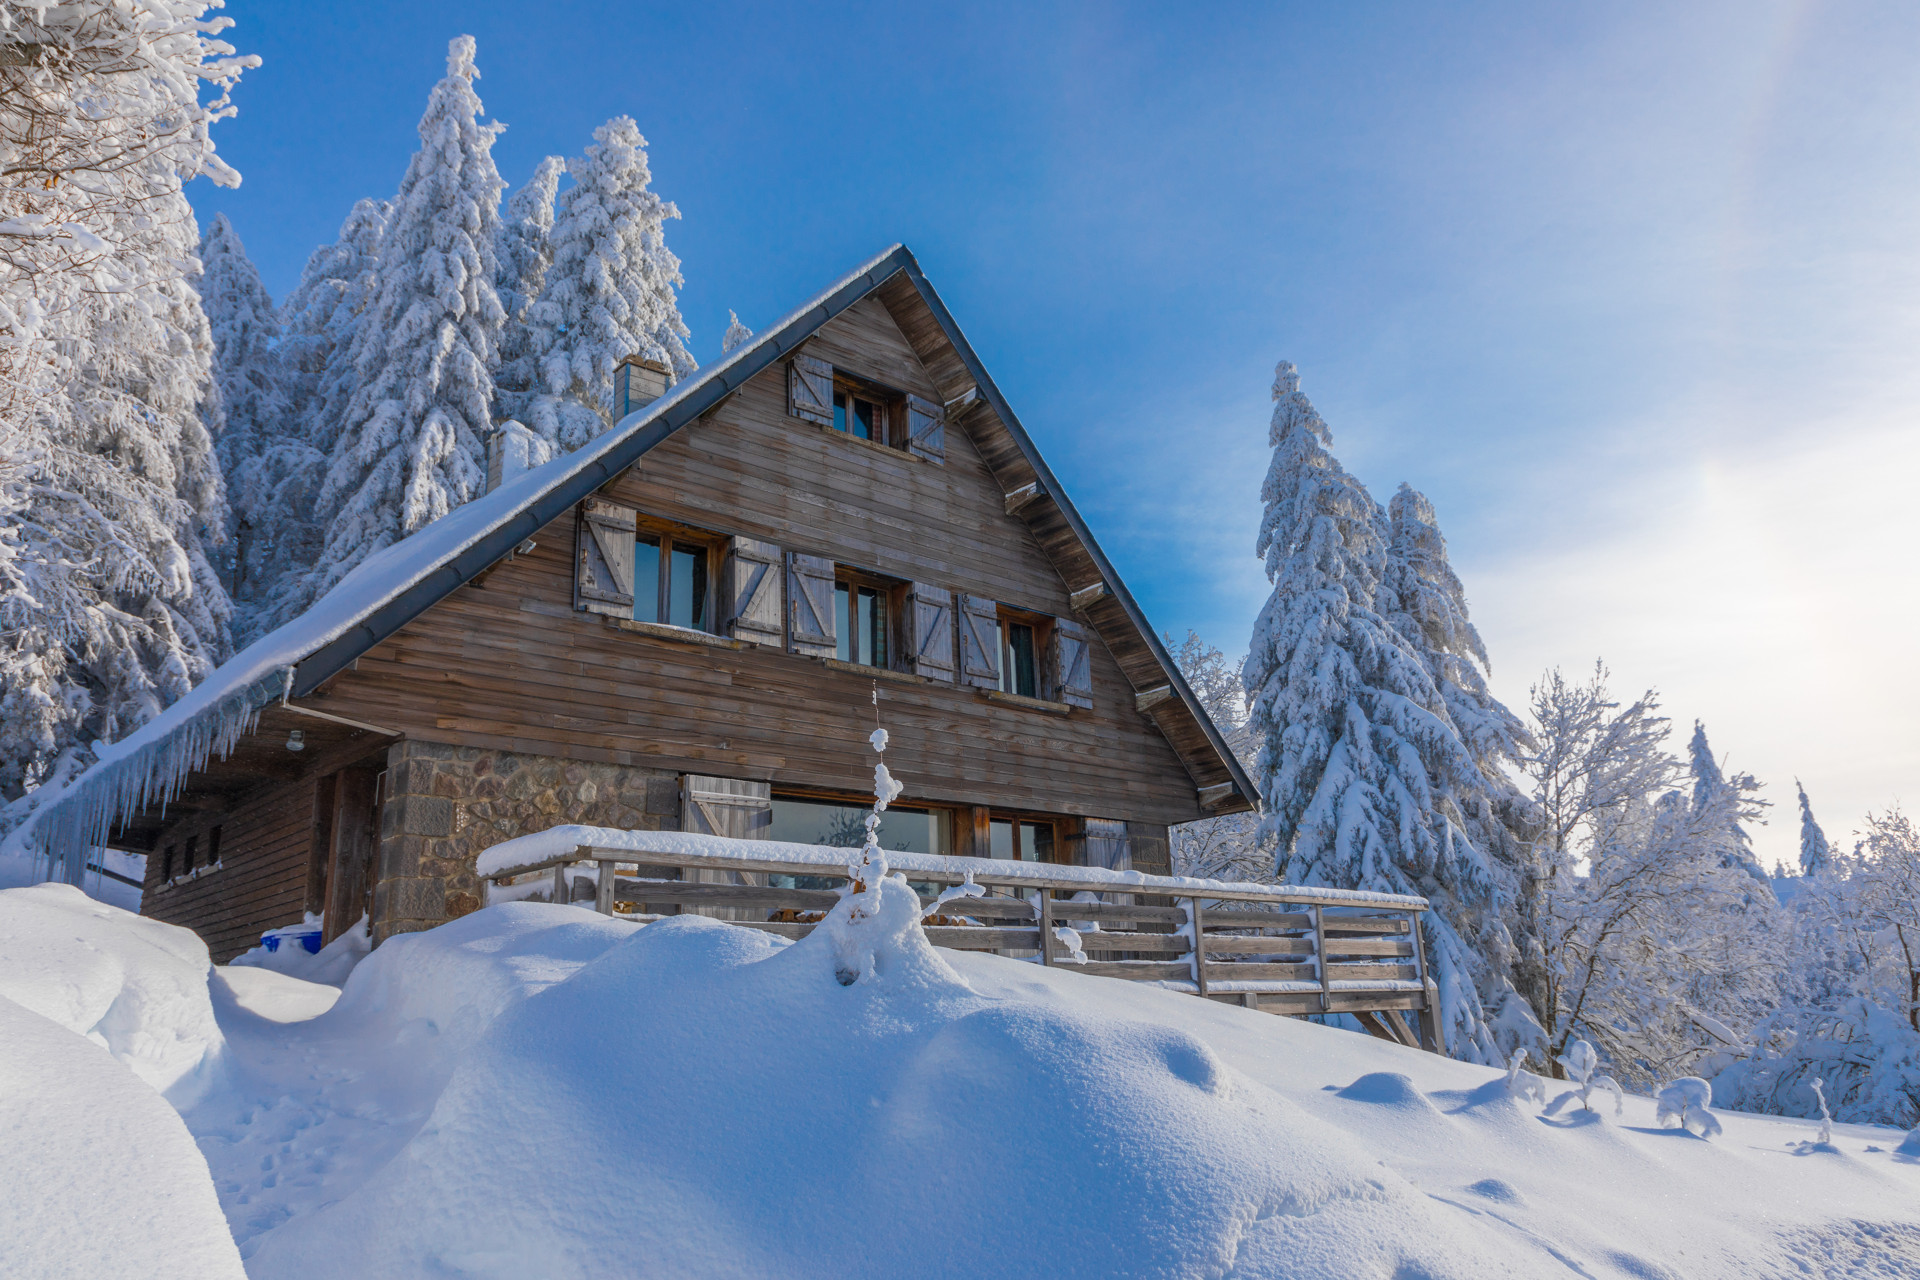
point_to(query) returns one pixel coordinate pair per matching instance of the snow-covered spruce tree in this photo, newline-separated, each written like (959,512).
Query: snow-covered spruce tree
(1227,847)
(250,418)
(410,448)
(1815,853)
(1424,599)
(736,334)
(1358,764)
(525,252)
(1735,845)
(111,607)
(609,291)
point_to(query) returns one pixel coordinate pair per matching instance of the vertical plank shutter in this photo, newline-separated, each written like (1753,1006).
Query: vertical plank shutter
(603,559)
(930,631)
(926,430)
(810,621)
(752,586)
(731,807)
(979,642)
(1072,673)
(810,390)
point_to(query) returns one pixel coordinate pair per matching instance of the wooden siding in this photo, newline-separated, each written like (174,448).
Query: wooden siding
(262,880)
(511,665)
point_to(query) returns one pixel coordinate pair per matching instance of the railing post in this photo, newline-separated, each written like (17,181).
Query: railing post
(1199,945)
(560,894)
(1430,1015)
(603,888)
(1320,958)
(1046,926)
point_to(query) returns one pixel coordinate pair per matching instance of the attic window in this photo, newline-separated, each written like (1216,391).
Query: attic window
(862,412)
(863,618)
(1023,640)
(672,576)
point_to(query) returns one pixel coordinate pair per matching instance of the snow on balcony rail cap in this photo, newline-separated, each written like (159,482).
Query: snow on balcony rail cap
(557,842)
(153,761)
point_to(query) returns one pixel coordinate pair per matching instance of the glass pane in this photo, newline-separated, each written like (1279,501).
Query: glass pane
(863,419)
(1006,663)
(864,627)
(845,826)
(839,411)
(646,579)
(877,631)
(1000,839)
(687,587)
(843,622)
(1020,675)
(1036,841)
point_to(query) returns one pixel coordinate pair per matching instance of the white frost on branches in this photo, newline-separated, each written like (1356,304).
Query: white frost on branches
(608,293)
(736,334)
(411,445)
(525,253)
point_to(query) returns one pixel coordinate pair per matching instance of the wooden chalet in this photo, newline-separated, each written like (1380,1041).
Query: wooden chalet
(681,626)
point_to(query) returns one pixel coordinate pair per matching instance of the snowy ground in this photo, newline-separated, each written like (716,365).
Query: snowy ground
(537,1090)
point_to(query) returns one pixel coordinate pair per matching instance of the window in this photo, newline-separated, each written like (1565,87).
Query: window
(861,617)
(670,579)
(1023,639)
(861,414)
(1021,838)
(193,851)
(167,871)
(843,824)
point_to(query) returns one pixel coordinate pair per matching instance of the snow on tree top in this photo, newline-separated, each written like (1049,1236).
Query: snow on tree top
(155,760)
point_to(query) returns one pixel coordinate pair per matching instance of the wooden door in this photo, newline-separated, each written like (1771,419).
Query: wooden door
(356,841)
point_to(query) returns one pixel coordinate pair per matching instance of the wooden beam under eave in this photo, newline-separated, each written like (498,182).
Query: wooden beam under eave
(1147,699)
(1022,497)
(1085,598)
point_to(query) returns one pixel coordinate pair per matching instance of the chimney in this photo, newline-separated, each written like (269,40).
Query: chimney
(511,450)
(637,382)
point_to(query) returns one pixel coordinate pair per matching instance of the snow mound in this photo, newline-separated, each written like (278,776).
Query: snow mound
(100,1177)
(331,964)
(718,1102)
(276,996)
(133,986)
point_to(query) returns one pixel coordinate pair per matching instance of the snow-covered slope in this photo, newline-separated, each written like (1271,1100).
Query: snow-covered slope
(538,1090)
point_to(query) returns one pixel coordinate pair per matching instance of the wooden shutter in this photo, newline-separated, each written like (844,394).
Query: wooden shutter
(603,559)
(930,631)
(1072,673)
(810,617)
(731,807)
(979,642)
(810,390)
(752,585)
(926,430)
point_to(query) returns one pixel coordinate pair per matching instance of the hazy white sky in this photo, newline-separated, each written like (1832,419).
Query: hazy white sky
(1631,291)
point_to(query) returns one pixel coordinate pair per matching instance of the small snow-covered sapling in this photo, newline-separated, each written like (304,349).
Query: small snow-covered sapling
(1522,1083)
(1684,1103)
(1826,1116)
(1581,1063)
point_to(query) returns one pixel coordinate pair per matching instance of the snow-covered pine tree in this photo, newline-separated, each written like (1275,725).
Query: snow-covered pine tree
(525,252)
(411,449)
(114,609)
(250,419)
(1426,603)
(609,291)
(1358,763)
(736,334)
(1815,853)
(1736,796)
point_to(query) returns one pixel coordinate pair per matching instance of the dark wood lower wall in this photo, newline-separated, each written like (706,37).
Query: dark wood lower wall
(260,881)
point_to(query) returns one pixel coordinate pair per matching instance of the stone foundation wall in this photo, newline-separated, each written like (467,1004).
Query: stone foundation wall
(445,804)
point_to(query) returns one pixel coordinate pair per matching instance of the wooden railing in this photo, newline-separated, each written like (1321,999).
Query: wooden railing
(1267,947)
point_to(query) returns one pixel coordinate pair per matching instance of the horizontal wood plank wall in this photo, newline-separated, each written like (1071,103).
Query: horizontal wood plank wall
(510,665)
(262,882)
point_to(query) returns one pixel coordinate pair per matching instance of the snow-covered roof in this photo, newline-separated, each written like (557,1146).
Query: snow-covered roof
(397,584)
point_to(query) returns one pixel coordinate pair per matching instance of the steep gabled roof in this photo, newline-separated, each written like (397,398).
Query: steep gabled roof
(398,584)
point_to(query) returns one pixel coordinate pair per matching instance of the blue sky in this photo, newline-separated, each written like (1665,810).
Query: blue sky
(1630,291)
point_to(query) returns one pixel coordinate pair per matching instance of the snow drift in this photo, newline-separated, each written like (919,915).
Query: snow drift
(717,1102)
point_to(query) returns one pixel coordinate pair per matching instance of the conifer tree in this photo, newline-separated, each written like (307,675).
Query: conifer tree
(1815,854)
(736,334)
(410,449)
(254,422)
(609,292)
(1713,791)
(1358,765)
(526,251)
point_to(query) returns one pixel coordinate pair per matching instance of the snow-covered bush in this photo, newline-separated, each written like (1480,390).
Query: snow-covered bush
(1683,1103)
(1582,1065)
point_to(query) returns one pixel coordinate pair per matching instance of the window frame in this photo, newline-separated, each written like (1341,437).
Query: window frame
(1041,624)
(948,815)
(891,590)
(711,548)
(1050,821)
(889,410)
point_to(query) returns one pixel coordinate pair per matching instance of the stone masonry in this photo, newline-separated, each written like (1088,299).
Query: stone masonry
(445,804)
